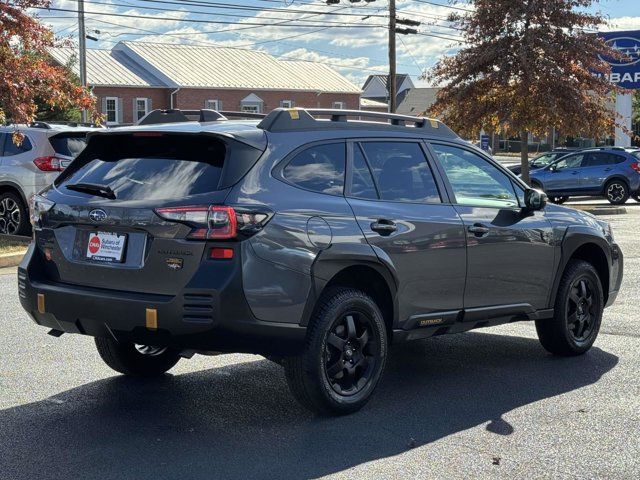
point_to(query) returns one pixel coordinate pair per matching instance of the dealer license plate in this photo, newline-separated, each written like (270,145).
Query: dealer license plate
(106,247)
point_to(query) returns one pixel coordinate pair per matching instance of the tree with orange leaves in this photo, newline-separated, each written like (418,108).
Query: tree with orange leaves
(527,65)
(26,72)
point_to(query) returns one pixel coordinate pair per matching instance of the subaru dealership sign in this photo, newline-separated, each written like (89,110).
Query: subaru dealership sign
(625,71)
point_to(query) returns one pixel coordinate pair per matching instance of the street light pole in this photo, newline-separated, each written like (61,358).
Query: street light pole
(391,81)
(82,43)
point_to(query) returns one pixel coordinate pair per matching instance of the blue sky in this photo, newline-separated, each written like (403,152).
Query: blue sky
(349,37)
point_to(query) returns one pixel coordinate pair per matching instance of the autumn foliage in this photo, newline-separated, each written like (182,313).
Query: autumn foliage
(527,65)
(27,73)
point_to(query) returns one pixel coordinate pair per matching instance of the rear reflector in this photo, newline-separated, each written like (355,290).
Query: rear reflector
(151,319)
(49,164)
(222,253)
(41,308)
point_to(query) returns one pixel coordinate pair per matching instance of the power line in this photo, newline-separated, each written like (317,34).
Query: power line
(451,7)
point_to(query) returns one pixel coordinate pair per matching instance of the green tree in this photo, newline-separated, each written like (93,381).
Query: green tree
(527,65)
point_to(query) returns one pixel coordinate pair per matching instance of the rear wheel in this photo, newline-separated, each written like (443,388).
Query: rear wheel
(135,359)
(616,191)
(14,217)
(577,312)
(344,356)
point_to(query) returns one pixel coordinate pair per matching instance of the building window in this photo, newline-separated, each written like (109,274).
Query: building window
(212,105)
(142,108)
(339,105)
(286,104)
(251,104)
(111,109)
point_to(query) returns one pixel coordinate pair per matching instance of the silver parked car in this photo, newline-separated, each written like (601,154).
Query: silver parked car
(27,168)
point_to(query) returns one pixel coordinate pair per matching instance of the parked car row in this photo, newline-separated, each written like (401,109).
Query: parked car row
(609,172)
(28,167)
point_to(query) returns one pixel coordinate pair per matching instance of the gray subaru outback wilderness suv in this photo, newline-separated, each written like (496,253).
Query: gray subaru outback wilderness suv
(312,237)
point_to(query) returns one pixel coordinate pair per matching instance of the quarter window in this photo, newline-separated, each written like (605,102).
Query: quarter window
(401,172)
(474,180)
(319,168)
(11,148)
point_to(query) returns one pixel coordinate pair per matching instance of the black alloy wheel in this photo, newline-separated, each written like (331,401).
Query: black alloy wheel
(580,309)
(344,355)
(577,312)
(351,353)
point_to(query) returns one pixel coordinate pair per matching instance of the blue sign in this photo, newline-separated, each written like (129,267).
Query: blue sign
(484,142)
(625,71)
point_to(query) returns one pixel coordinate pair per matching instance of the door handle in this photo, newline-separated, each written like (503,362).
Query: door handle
(384,226)
(479,230)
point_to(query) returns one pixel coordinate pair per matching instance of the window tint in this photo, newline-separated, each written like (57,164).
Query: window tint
(362,182)
(11,148)
(401,172)
(69,145)
(171,167)
(474,180)
(319,168)
(570,161)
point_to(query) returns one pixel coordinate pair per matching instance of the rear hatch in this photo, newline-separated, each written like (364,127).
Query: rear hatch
(100,226)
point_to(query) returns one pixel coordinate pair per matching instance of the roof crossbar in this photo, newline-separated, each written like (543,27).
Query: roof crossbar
(290,119)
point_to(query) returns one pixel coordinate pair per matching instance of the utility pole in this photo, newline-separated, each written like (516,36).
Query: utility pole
(82,43)
(391,81)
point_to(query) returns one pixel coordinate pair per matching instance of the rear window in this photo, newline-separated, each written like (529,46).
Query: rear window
(154,168)
(69,145)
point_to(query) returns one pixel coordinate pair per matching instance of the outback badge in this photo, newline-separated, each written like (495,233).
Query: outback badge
(174,263)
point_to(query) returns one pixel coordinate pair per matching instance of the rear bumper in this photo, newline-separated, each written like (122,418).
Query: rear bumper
(198,319)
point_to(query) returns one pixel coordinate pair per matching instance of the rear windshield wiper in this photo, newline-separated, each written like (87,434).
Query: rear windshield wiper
(93,188)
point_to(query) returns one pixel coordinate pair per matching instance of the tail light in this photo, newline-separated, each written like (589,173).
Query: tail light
(216,222)
(636,166)
(49,164)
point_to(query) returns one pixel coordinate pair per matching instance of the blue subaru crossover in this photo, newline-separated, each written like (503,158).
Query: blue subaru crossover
(613,173)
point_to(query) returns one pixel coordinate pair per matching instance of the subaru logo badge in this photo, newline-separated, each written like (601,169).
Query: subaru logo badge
(98,215)
(627,47)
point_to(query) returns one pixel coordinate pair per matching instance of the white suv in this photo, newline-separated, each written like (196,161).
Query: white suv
(27,168)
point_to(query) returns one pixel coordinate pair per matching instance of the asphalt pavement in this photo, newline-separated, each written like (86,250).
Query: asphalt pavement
(485,404)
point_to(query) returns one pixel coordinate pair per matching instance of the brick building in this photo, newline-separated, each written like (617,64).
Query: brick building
(133,78)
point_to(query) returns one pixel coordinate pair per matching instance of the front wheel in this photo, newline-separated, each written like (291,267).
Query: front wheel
(616,192)
(135,359)
(577,312)
(344,355)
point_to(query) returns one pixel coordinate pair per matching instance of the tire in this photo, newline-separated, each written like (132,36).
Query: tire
(14,215)
(344,355)
(129,359)
(577,312)
(616,192)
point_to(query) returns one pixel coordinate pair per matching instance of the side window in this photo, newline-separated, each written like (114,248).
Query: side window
(570,161)
(319,168)
(474,180)
(401,172)
(11,148)
(362,185)
(598,159)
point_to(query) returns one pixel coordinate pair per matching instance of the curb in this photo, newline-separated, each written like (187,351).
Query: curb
(600,210)
(11,259)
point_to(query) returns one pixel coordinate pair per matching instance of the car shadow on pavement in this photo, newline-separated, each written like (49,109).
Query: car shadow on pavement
(239,421)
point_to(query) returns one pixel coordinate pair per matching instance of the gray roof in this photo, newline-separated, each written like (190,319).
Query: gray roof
(417,101)
(107,68)
(400,77)
(233,68)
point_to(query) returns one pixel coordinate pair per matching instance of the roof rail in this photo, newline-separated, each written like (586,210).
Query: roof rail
(177,116)
(231,114)
(289,119)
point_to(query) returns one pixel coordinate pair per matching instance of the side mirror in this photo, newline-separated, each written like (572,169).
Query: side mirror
(535,199)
